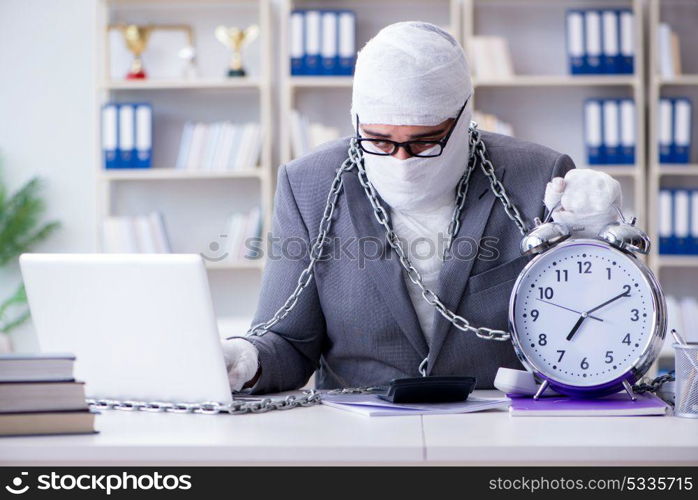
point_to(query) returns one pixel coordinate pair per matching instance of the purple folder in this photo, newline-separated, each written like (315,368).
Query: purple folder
(618,404)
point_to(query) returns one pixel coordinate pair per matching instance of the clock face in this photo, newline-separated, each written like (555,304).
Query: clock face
(583,314)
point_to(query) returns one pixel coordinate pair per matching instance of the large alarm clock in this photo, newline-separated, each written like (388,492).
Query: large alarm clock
(587,317)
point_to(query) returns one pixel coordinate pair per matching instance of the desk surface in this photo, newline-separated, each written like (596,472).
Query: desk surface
(323,435)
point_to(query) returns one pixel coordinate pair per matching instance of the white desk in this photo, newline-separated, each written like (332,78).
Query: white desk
(322,435)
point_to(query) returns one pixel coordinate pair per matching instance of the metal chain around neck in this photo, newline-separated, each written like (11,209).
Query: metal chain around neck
(478,155)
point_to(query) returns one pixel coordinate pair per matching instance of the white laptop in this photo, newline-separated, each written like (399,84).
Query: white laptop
(141,326)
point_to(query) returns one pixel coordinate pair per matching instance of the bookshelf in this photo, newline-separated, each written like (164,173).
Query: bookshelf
(315,95)
(196,204)
(677,273)
(542,91)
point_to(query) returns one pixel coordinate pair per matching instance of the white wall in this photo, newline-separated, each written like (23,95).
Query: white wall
(47,117)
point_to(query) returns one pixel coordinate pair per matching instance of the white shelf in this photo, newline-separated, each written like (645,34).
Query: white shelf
(678,80)
(677,170)
(677,261)
(321,81)
(617,170)
(196,204)
(147,174)
(231,83)
(560,81)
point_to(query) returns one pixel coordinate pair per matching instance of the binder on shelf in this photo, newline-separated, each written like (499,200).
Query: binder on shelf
(575,42)
(682,131)
(627,39)
(311,54)
(346,43)
(681,222)
(110,135)
(328,54)
(611,129)
(593,131)
(610,22)
(627,132)
(600,41)
(592,40)
(297,44)
(144,136)
(693,246)
(665,130)
(127,135)
(666,215)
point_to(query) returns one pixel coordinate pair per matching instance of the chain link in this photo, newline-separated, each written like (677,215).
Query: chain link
(240,405)
(646,385)
(478,155)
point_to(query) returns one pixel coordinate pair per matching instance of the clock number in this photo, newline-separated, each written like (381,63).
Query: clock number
(534,314)
(545,293)
(635,315)
(608,270)
(609,357)
(562,353)
(626,290)
(584,364)
(584,267)
(542,339)
(561,274)
(626,339)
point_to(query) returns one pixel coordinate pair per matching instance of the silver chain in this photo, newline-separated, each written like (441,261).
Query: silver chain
(240,406)
(478,155)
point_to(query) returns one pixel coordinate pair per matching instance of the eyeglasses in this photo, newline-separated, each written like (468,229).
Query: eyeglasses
(422,149)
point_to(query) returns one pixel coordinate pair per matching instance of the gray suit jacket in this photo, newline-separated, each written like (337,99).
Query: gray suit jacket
(355,323)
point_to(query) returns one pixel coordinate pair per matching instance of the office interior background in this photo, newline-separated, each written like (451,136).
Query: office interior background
(62,67)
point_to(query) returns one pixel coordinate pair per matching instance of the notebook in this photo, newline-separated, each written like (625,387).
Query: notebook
(370,405)
(618,404)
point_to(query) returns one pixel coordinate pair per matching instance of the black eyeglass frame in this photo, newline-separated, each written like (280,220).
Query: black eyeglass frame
(406,145)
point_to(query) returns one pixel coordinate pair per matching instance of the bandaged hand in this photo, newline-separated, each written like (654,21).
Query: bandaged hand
(241,361)
(588,200)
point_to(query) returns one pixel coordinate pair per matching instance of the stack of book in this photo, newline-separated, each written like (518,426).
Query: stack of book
(669,52)
(244,235)
(610,131)
(675,130)
(38,395)
(306,136)
(678,221)
(492,123)
(600,41)
(491,57)
(219,146)
(127,135)
(323,42)
(135,234)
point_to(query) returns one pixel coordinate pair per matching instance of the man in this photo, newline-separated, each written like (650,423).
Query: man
(362,320)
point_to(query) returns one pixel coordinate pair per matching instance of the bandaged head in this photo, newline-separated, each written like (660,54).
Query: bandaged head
(414,73)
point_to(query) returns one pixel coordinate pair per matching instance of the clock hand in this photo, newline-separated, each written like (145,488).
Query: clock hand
(567,308)
(585,315)
(624,294)
(576,326)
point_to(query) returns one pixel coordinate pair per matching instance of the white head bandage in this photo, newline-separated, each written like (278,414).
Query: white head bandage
(410,73)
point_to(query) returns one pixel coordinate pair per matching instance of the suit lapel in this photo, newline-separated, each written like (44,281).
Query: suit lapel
(456,271)
(385,271)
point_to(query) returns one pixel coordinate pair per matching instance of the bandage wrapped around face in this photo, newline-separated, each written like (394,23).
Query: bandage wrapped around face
(586,200)
(414,73)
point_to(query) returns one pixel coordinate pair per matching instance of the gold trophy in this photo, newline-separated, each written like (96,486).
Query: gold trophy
(136,38)
(235,39)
